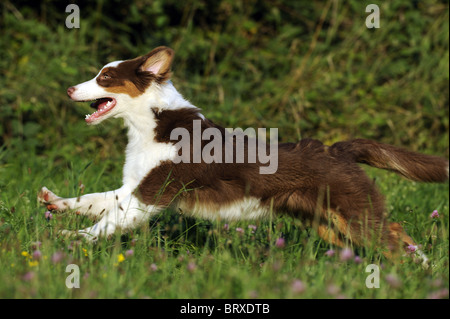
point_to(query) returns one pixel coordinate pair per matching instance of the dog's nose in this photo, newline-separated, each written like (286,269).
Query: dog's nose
(70,91)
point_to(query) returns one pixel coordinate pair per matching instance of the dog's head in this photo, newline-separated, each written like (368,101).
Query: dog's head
(122,85)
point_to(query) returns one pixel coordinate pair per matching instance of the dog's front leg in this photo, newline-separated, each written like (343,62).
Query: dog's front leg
(91,205)
(125,216)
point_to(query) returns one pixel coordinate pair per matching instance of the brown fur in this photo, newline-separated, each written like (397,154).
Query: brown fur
(131,77)
(323,185)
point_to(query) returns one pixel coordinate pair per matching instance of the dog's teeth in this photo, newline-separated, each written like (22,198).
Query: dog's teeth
(109,103)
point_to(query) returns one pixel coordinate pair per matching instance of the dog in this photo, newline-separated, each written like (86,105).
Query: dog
(322,185)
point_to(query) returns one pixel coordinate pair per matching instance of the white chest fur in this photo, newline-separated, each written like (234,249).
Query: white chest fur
(143,154)
(140,161)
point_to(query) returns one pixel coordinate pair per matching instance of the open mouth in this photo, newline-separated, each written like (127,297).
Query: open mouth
(103,106)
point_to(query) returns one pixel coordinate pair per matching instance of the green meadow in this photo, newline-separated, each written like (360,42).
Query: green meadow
(310,69)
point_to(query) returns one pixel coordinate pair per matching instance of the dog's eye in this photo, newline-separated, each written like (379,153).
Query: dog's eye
(106,76)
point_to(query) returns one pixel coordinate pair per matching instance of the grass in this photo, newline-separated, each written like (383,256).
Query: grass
(178,257)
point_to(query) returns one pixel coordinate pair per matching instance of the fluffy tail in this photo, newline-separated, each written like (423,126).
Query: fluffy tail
(414,166)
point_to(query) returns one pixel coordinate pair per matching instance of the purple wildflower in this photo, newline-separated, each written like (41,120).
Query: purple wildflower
(57,257)
(434,214)
(298,286)
(191,266)
(253,228)
(28,276)
(332,289)
(280,242)
(329,253)
(48,215)
(393,281)
(411,248)
(129,252)
(357,260)
(440,294)
(153,267)
(346,254)
(37,254)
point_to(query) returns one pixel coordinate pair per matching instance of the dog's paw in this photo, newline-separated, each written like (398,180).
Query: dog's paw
(50,200)
(45,196)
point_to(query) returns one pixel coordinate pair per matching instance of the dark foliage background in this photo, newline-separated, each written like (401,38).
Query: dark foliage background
(310,68)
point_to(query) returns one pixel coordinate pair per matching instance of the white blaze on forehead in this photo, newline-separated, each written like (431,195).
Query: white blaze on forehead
(90,90)
(110,65)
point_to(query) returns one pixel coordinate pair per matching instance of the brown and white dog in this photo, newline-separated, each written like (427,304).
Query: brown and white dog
(322,185)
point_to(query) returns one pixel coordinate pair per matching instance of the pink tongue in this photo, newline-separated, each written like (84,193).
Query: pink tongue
(93,116)
(102,105)
(100,111)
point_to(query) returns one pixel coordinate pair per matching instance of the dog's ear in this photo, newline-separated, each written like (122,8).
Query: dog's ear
(158,62)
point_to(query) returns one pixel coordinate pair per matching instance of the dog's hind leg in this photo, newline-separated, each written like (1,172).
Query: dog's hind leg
(90,205)
(400,243)
(373,232)
(327,233)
